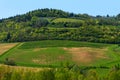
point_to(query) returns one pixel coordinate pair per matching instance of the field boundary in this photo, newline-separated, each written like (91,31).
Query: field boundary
(10,49)
(61,53)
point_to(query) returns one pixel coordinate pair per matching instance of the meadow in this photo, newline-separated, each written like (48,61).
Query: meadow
(57,53)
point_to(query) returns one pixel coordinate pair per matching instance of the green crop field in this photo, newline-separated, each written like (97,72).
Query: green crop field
(67,20)
(57,53)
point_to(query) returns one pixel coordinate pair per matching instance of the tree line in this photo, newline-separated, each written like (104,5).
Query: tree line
(100,34)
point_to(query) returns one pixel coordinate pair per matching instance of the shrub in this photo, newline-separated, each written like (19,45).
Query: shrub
(9,62)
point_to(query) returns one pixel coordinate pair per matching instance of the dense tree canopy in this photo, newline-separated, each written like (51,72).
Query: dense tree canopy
(56,24)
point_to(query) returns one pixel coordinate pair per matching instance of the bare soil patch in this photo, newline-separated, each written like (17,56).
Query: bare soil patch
(45,59)
(86,55)
(41,60)
(5,47)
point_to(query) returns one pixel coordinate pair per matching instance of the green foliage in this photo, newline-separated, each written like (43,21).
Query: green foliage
(47,75)
(47,24)
(114,75)
(9,62)
(38,22)
(92,75)
(15,76)
(89,34)
(8,37)
(54,74)
(61,76)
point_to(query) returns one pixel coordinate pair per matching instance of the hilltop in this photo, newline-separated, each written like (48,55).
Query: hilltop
(53,24)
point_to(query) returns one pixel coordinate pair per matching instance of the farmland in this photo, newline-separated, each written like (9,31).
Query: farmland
(49,55)
(56,53)
(58,20)
(52,44)
(5,47)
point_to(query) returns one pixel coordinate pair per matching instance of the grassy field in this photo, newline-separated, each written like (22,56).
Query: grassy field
(60,43)
(56,53)
(66,20)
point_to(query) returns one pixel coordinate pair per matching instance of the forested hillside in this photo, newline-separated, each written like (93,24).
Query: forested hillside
(53,24)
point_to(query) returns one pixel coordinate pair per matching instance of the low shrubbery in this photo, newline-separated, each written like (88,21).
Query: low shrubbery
(11,73)
(9,61)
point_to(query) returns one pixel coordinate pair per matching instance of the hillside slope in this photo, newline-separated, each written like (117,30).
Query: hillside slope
(47,24)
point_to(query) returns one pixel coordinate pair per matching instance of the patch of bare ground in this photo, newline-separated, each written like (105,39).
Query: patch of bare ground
(41,60)
(86,55)
(4,47)
(45,59)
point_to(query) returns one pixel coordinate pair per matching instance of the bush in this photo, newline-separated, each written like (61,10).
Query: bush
(9,62)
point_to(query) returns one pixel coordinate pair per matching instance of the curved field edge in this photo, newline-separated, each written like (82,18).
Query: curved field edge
(111,53)
(60,43)
(114,52)
(49,44)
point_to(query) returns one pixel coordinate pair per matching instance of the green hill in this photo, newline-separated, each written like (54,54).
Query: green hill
(53,24)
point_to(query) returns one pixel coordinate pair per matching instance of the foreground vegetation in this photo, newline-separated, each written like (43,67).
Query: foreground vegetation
(75,73)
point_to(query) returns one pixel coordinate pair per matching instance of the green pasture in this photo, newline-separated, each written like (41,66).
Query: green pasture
(51,53)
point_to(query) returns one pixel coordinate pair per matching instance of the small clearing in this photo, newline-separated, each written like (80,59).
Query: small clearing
(86,54)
